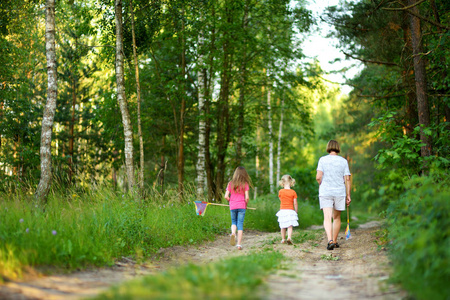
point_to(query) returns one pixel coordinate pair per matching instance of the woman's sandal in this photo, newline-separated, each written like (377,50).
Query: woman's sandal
(331,245)
(239,247)
(336,245)
(283,241)
(289,242)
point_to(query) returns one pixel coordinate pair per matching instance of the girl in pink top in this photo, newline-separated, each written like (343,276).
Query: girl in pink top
(237,196)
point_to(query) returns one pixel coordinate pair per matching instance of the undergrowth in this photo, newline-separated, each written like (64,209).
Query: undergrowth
(419,233)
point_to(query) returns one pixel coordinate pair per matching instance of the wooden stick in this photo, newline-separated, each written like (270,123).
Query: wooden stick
(227,205)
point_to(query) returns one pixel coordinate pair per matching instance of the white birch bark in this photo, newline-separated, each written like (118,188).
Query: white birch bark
(269,109)
(138,96)
(121,97)
(201,124)
(50,106)
(280,133)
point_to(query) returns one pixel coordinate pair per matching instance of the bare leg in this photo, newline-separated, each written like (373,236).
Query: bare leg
(327,213)
(283,234)
(239,236)
(336,224)
(290,232)
(233,229)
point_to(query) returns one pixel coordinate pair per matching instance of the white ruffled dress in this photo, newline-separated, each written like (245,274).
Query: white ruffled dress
(287,218)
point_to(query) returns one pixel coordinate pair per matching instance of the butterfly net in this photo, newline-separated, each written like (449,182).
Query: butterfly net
(200,207)
(347,232)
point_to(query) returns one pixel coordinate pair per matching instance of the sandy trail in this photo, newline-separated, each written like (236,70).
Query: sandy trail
(357,270)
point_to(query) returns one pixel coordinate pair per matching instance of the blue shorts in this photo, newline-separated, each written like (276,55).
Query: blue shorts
(237,218)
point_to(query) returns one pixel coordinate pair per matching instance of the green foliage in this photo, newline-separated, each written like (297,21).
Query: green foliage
(419,230)
(234,278)
(404,151)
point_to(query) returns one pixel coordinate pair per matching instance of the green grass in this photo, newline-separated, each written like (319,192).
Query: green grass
(79,228)
(234,278)
(96,229)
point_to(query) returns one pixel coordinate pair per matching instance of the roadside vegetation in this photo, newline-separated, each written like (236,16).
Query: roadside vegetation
(234,278)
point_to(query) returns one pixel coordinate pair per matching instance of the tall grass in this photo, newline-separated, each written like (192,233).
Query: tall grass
(98,226)
(235,278)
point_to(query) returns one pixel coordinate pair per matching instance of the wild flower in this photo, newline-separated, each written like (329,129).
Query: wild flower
(21,220)
(54,232)
(27,230)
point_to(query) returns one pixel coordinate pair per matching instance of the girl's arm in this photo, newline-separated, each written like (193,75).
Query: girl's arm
(246,197)
(227,195)
(295,205)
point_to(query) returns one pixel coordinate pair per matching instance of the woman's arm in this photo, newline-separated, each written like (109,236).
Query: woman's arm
(348,188)
(319,176)
(295,205)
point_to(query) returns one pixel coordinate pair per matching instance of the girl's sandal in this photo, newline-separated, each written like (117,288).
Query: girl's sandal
(289,242)
(336,245)
(331,245)
(233,240)
(239,247)
(283,241)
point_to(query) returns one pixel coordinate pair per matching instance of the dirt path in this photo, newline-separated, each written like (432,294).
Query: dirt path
(357,270)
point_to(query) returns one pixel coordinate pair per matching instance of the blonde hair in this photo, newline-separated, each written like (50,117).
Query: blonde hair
(286,179)
(240,178)
(333,146)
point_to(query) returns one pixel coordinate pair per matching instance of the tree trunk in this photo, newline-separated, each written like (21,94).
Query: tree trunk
(243,79)
(71,129)
(138,96)
(223,125)
(201,79)
(182,112)
(269,112)
(421,80)
(280,132)
(408,80)
(50,107)
(208,94)
(258,140)
(162,167)
(121,97)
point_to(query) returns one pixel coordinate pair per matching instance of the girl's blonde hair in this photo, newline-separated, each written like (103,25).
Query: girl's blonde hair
(240,178)
(286,179)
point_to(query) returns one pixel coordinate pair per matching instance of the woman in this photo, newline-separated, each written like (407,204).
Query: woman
(333,176)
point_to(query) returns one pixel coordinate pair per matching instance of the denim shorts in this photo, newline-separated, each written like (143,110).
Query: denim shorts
(237,218)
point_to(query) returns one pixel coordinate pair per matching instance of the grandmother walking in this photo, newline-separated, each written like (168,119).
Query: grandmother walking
(333,176)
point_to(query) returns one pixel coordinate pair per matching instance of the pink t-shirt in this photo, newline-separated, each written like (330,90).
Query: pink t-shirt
(237,199)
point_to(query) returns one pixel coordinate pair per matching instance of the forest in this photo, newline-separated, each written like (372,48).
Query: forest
(116,115)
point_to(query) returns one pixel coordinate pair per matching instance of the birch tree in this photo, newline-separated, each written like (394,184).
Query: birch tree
(280,133)
(138,96)
(269,120)
(50,107)
(121,97)
(201,80)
